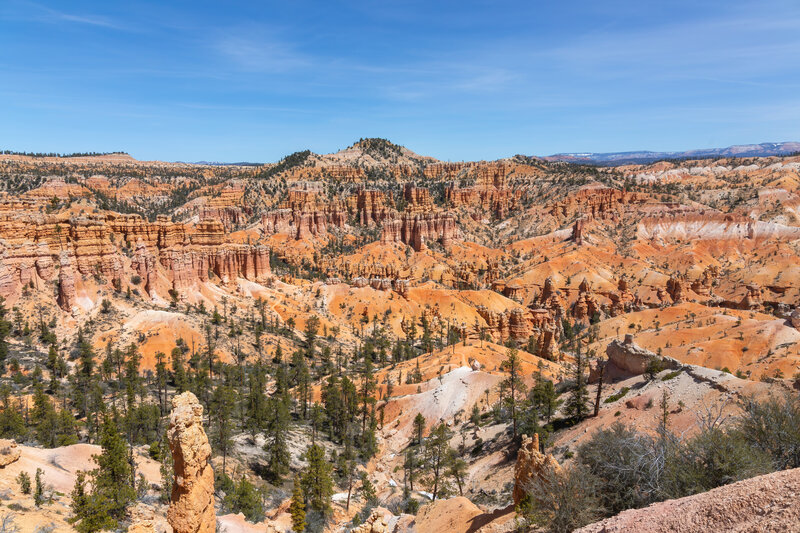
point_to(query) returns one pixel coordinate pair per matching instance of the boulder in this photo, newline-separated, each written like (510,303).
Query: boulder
(9,452)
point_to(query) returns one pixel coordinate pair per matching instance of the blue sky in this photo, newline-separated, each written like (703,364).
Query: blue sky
(254,81)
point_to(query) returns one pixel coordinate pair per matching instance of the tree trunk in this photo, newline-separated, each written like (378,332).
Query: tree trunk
(599,389)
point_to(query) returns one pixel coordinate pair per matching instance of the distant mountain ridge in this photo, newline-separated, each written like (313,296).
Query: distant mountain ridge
(644,156)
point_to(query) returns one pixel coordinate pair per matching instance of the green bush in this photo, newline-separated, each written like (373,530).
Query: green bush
(619,394)
(245,499)
(24,481)
(623,459)
(562,501)
(712,458)
(773,426)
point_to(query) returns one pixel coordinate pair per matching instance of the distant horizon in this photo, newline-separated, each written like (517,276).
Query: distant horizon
(213,161)
(466,80)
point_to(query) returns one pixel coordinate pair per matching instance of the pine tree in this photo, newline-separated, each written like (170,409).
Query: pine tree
(166,469)
(276,445)
(111,484)
(257,411)
(513,384)
(179,371)
(5,330)
(38,491)
(427,337)
(410,466)
(223,405)
(310,333)
(112,479)
(302,381)
(368,490)
(44,418)
(419,427)
(437,449)
(367,390)
(161,381)
(544,398)
(297,508)
(24,481)
(317,482)
(12,423)
(245,499)
(577,402)
(457,469)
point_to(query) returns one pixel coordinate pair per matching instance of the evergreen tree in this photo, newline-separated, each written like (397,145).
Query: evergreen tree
(577,402)
(5,330)
(161,381)
(410,466)
(297,508)
(12,423)
(112,479)
(302,381)
(513,384)
(38,491)
(179,371)
(437,449)
(543,397)
(419,427)
(367,391)
(223,405)
(91,513)
(310,333)
(166,469)
(368,490)
(276,445)
(257,412)
(24,481)
(457,469)
(245,499)
(44,418)
(317,482)
(427,337)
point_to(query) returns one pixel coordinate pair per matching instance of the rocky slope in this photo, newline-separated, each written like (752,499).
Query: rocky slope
(764,503)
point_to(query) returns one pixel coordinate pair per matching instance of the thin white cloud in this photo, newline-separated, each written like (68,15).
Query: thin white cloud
(262,53)
(36,12)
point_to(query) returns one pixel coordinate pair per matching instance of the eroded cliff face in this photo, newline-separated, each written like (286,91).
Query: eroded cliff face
(418,199)
(67,294)
(491,192)
(188,266)
(304,214)
(596,202)
(373,207)
(96,245)
(191,508)
(415,230)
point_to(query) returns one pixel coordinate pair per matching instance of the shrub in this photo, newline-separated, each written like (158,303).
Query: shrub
(614,397)
(712,458)
(654,366)
(562,501)
(773,426)
(24,481)
(629,464)
(245,499)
